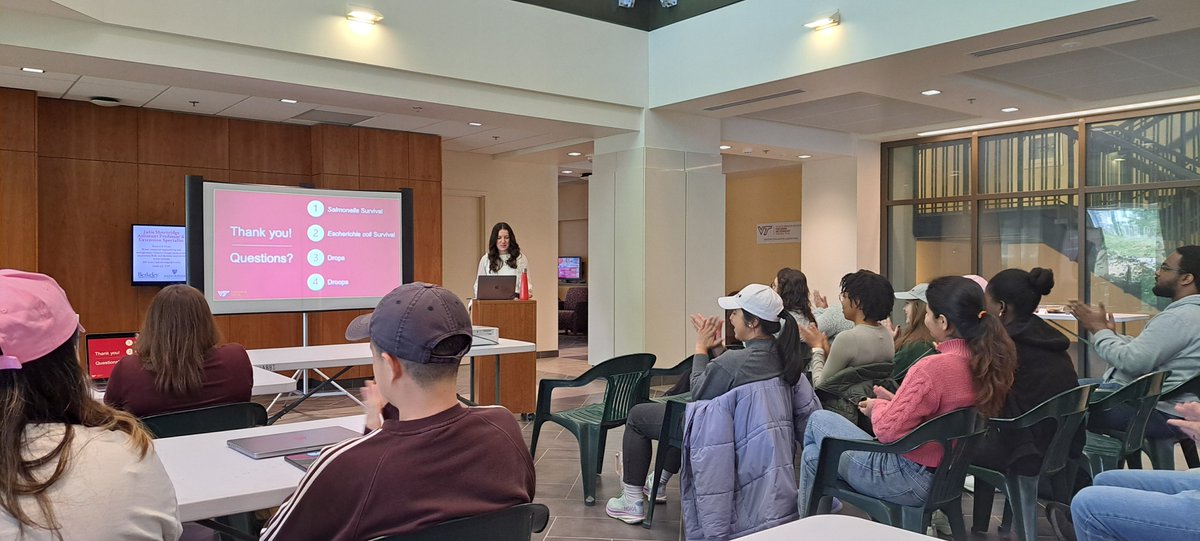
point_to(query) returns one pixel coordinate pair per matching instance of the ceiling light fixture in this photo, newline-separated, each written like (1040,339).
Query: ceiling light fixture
(476,124)
(1009,110)
(724,147)
(804,156)
(930,92)
(287,100)
(104,101)
(574,154)
(359,14)
(567,171)
(828,21)
(34,70)
(1060,116)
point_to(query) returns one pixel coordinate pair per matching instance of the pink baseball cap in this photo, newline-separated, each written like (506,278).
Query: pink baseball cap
(977,279)
(35,317)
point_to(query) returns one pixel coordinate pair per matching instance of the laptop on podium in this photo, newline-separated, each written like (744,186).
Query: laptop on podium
(496,287)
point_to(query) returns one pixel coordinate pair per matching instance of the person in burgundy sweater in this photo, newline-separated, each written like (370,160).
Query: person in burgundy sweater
(436,461)
(177,363)
(974,366)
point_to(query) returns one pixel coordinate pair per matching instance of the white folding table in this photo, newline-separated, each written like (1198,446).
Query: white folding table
(1055,317)
(840,527)
(359,354)
(265,382)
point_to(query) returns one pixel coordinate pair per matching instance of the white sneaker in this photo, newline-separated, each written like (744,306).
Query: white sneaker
(629,512)
(661,497)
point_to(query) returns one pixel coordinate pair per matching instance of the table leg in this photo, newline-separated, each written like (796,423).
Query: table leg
(498,380)
(304,397)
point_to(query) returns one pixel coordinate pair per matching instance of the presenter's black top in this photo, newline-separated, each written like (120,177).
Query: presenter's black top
(410,475)
(227,379)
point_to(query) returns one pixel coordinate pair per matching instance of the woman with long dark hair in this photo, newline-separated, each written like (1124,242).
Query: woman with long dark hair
(757,316)
(973,367)
(914,340)
(504,257)
(179,362)
(70,467)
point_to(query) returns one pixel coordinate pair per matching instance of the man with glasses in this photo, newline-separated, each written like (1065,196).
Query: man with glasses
(1170,341)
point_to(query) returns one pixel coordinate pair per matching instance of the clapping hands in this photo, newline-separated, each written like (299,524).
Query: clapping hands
(708,332)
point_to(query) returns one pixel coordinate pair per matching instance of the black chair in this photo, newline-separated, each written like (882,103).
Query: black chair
(1066,411)
(1162,451)
(957,432)
(516,523)
(242,526)
(682,369)
(671,437)
(1106,448)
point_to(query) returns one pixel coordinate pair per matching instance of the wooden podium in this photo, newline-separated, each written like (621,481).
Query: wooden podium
(518,371)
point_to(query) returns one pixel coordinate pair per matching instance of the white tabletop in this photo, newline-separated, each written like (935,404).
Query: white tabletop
(840,527)
(358,354)
(266,382)
(1066,316)
(212,480)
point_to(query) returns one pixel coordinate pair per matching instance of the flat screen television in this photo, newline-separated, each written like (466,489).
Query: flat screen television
(159,255)
(570,269)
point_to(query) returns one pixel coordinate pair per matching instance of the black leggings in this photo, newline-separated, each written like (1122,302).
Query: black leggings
(644,424)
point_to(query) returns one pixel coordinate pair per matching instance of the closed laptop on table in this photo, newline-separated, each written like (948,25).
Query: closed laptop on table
(286,443)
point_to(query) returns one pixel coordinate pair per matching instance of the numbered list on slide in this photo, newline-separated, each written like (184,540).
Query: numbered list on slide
(271,246)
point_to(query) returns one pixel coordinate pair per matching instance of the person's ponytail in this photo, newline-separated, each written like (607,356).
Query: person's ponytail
(787,347)
(993,364)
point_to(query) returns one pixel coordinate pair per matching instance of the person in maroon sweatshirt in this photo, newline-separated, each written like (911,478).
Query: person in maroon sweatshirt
(436,461)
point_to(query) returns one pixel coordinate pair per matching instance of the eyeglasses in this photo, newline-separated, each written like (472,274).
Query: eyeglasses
(1165,267)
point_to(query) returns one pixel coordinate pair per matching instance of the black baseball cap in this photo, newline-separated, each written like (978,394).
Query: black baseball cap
(412,320)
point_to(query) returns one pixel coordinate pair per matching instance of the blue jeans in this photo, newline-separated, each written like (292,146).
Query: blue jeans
(1139,504)
(884,476)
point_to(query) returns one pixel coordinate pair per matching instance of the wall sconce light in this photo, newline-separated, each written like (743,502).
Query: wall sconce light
(359,14)
(828,21)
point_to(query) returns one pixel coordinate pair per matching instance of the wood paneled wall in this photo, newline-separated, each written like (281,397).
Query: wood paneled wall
(74,177)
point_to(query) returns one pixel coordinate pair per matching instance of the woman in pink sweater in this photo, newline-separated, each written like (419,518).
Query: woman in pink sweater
(973,367)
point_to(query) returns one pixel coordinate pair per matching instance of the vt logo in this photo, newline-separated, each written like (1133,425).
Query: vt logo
(223,292)
(764,229)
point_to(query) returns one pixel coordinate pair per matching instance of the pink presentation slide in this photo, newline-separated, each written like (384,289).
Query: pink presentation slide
(274,246)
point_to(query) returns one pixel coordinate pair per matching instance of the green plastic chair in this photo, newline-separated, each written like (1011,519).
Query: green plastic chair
(1106,448)
(517,523)
(957,432)
(1066,411)
(242,526)
(682,369)
(590,424)
(671,437)
(1162,451)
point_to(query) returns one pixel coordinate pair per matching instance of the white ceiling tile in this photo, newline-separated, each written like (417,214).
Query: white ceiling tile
(460,146)
(207,102)
(266,109)
(349,111)
(48,84)
(129,93)
(451,129)
(518,144)
(398,122)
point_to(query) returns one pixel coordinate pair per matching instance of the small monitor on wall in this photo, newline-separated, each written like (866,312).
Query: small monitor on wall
(159,255)
(570,269)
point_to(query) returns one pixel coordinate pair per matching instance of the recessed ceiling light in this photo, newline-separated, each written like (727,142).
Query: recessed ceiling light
(930,92)
(475,123)
(104,101)
(724,147)
(804,156)
(34,70)
(1009,110)
(567,171)
(288,100)
(574,154)
(361,14)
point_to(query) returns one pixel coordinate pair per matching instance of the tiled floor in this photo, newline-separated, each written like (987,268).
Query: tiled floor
(557,464)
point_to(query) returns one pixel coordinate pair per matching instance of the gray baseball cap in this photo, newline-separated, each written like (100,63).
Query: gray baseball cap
(412,320)
(917,293)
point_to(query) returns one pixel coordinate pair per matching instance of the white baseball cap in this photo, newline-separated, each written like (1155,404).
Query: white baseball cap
(760,300)
(917,293)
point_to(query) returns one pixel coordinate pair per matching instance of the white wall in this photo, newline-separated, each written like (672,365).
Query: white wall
(829,235)
(694,58)
(526,196)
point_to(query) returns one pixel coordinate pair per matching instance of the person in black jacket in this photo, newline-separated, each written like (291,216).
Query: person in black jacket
(1044,368)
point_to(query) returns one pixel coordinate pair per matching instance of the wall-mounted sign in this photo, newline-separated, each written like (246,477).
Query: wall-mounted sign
(779,233)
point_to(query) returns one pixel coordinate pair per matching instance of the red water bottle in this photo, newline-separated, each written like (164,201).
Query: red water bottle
(525,285)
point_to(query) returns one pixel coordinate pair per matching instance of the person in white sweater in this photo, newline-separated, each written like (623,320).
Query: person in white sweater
(74,468)
(503,258)
(866,300)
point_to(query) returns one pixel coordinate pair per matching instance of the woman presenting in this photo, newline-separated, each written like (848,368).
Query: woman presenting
(503,257)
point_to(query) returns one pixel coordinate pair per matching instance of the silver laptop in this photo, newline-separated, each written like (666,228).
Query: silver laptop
(496,287)
(286,443)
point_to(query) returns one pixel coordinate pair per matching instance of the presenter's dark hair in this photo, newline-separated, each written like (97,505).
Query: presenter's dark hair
(793,289)
(871,292)
(178,335)
(50,390)
(514,249)
(993,354)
